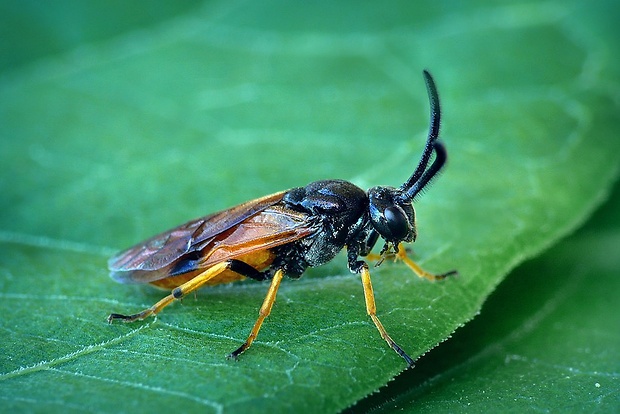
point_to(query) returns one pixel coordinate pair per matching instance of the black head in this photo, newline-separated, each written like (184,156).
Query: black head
(391,209)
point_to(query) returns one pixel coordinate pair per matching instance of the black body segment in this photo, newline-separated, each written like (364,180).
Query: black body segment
(338,208)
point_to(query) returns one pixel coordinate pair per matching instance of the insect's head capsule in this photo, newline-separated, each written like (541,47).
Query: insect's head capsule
(392,215)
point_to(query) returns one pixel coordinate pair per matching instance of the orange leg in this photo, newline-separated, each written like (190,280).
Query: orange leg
(371,309)
(177,293)
(402,255)
(198,282)
(264,311)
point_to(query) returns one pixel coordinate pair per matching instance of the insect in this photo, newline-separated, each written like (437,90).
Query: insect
(284,233)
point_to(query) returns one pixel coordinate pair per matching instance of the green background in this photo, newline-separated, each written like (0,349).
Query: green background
(117,122)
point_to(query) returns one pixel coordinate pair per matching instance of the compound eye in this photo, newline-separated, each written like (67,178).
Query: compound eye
(397,222)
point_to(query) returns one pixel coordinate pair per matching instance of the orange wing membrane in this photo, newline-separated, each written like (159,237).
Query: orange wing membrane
(256,225)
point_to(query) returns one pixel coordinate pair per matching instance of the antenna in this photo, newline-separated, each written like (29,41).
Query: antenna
(422,176)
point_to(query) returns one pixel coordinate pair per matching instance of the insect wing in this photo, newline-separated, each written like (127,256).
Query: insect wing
(275,226)
(249,241)
(164,249)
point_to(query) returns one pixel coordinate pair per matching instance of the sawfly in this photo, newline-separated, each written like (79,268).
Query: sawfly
(284,233)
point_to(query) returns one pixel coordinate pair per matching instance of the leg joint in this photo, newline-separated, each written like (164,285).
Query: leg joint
(177,293)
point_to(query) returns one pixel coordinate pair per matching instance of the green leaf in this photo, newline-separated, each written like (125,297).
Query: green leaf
(136,127)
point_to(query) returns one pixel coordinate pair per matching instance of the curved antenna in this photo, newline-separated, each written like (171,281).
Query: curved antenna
(433,133)
(441,155)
